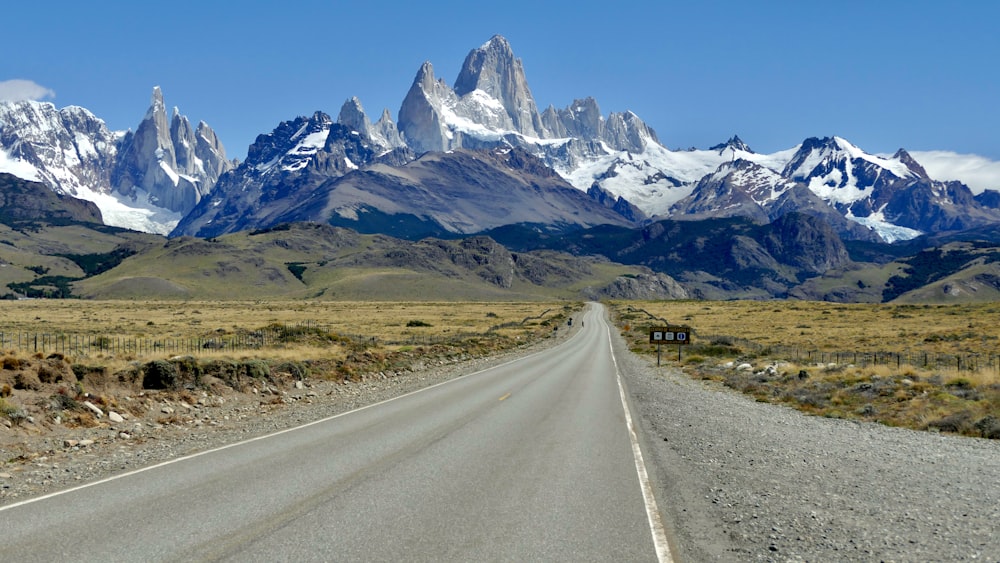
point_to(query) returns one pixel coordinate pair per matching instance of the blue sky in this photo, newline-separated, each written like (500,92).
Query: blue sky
(883,74)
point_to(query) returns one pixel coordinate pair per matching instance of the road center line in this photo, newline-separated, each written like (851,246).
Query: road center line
(652,512)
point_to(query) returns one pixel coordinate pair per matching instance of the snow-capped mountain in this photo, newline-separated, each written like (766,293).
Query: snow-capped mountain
(146,180)
(167,173)
(284,169)
(69,149)
(870,191)
(350,173)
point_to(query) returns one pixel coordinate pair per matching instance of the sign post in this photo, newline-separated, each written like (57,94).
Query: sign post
(679,335)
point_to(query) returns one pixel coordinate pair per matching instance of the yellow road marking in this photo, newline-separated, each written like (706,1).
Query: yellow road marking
(505,396)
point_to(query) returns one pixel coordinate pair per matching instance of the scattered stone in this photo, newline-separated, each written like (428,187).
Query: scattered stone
(300,385)
(115,417)
(167,410)
(94,409)
(71,443)
(85,443)
(744,367)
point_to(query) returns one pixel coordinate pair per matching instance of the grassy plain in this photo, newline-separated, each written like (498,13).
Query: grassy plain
(870,362)
(389,325)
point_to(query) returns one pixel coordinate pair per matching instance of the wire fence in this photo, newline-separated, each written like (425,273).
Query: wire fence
(917,359)
(87,345)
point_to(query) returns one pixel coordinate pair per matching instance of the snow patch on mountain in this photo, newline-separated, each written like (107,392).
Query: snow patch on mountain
(18,167)
(138,214)
(889,232)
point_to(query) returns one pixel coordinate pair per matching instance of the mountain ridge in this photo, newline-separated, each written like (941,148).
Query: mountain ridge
(170,168)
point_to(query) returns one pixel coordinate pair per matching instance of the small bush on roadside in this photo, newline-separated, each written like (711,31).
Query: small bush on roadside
(257,369)
(11,363)
(298,370)
(159,374)
(957,423)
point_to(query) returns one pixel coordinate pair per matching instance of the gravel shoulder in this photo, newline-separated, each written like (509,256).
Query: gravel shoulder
(741,480)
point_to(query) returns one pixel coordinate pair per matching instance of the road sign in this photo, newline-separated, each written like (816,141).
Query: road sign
(670,335)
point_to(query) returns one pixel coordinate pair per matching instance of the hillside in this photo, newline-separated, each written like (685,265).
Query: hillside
(315,261)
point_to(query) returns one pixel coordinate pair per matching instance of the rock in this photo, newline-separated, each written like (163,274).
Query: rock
(71,443)
(85,443)
(115,417)
(167,410)
(300,385)
(744,367)
(94,409)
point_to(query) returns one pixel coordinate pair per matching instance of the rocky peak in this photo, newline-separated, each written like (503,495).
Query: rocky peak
(386,129)
(383,133)
(173,163)
(911,164)
(626,132)
(493,70)
(156,104)
(352,115)
(733,144)
(420,120)
(290,145)
(581,119)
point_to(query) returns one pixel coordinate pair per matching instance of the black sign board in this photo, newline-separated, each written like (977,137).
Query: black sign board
(670,335)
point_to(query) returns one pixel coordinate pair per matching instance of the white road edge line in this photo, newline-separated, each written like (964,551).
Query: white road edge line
(652,512)
(258,438)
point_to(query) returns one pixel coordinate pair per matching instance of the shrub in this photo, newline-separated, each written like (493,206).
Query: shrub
(63,402)
(27,381)
(13,412)
(159,374)
(988,427)
(957,423)
(417,323)
(257,369)
(12,363)
(298,370)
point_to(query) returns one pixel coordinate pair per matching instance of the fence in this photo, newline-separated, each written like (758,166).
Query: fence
(923,360)
(85,345)
(89,344)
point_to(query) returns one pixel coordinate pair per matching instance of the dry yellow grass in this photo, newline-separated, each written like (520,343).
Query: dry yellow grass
(379,322)
(849,373)
(943,329)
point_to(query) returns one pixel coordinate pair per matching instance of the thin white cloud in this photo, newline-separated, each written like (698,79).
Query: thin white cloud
(18,90)
(977,172)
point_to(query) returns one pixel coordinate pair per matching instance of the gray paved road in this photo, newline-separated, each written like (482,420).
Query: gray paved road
(531,460)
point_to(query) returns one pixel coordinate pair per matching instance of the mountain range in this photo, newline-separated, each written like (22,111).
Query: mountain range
(479,156)
(170,177)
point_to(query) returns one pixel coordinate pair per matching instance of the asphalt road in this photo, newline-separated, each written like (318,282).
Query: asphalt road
(531,460)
